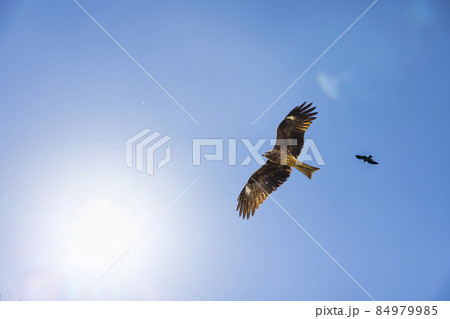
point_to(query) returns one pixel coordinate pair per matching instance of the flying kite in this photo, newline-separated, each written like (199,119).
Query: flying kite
(281,159)
(367,159)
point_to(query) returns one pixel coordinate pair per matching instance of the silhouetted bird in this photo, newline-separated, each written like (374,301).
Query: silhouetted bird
(281,159)
(367,159)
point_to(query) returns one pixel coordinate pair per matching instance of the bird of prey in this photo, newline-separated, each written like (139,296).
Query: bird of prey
(281,159)
(367,159)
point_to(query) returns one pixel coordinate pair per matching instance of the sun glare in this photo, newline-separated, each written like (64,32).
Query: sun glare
(103,228)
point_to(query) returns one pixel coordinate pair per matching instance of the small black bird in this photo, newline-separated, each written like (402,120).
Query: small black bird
(367,159)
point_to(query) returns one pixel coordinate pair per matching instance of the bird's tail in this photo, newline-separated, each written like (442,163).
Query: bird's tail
(306,169)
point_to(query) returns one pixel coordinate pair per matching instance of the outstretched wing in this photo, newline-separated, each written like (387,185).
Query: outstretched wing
(294,127)
(263,182)
(360,157)
(371,161)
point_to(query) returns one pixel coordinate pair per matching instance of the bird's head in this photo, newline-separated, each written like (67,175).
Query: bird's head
(269,155)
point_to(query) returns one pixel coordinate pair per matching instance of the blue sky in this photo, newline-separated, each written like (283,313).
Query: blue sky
(70,98)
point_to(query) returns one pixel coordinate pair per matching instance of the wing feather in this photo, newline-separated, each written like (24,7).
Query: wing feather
(294,126)
(263,182)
